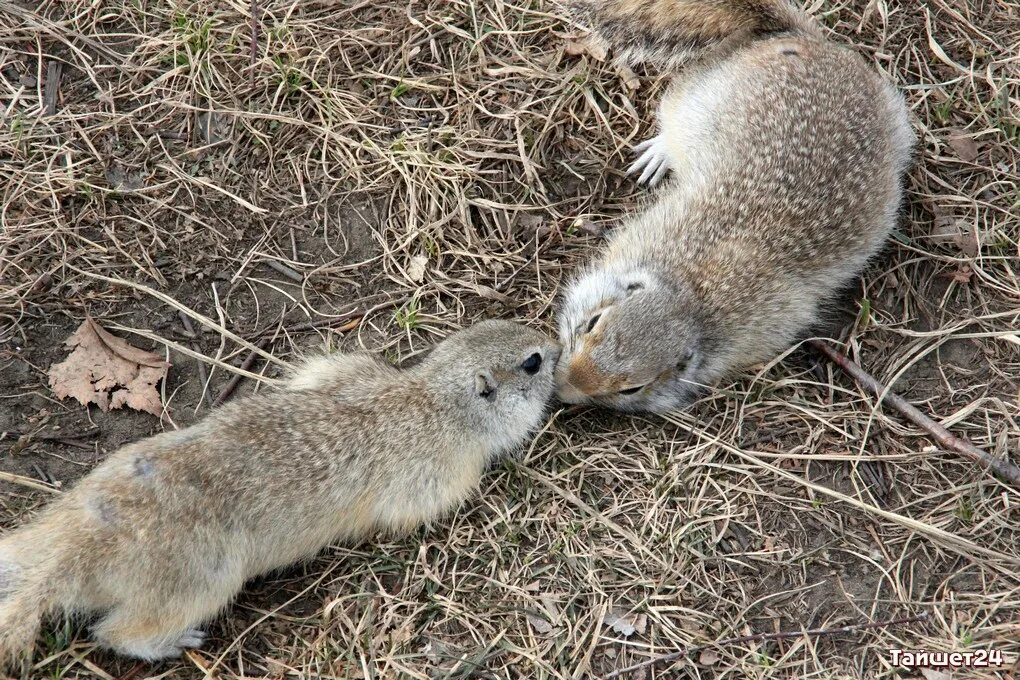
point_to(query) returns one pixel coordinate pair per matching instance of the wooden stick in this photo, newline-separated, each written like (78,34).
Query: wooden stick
(12,478)
(203,375)
(944,437)
(253,49)
(762,637)
(236,379)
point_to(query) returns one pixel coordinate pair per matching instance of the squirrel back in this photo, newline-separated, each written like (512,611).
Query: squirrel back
(669,32)
(785,154)
(160,537)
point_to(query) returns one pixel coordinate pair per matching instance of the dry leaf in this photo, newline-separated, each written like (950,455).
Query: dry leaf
(105,370)
(539,624)
(968,242)
(629,78)
(932,674)
(708,657)
(530,221)
(964,146)
(550,605)
(578,48)
(416,268)
(625,625)
(960,232)
(962,274)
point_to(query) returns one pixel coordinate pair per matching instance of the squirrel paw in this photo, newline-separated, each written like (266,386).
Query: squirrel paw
(155,649)
(653,163)
(191,639)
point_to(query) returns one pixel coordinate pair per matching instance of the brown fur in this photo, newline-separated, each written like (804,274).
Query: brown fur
(162,535)
(668,31)
(787,154)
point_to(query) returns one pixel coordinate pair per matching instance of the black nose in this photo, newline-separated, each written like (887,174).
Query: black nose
(532,364)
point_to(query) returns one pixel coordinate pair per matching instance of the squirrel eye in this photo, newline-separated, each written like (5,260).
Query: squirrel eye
(594,320)
(632,390)
(532,364)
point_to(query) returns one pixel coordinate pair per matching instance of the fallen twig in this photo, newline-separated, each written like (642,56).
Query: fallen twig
(763,637)
(26,482)
(228,390)
(236,379)
(203,375)
(358,309)
(52,90)
(944,437)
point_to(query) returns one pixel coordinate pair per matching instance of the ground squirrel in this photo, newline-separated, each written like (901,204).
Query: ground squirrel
(163,534)
(787,155)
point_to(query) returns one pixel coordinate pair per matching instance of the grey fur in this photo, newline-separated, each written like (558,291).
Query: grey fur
(163,534)
(787,155)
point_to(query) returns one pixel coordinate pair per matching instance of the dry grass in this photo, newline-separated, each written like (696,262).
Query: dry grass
(285,191)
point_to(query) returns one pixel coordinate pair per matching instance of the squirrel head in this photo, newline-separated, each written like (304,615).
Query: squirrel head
(498,378)
(631,342)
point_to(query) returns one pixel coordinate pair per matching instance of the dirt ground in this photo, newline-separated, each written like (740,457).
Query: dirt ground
(325,175)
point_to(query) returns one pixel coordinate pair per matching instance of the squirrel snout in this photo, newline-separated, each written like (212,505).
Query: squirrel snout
(566,391)
(569,394)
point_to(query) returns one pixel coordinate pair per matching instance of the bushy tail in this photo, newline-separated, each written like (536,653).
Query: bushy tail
(28,591)
(667,32)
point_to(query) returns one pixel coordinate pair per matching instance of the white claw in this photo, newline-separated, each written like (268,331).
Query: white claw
(191,638)
(645,144)
(653,163)
(650,170)
(641,162)
(659,174)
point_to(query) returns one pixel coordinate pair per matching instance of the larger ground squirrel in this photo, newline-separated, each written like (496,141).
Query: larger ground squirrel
(787,155)
(163,534)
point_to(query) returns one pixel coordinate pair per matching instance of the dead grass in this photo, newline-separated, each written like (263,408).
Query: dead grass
(282,192)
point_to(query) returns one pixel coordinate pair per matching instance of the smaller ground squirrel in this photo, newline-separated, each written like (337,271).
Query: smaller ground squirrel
(787,155)
(161,536)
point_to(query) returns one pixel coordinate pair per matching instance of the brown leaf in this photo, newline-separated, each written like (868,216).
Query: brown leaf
(957,231)
(962,274)
(964,146)
(932,674)
(105,370)
(968,242)
(578,48)
(624,624)
(540,625)
(629,78)
(708,657)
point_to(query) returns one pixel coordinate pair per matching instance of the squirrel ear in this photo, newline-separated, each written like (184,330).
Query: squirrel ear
(635,282)
(485,385)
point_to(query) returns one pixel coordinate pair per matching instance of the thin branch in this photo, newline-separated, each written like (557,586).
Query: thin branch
(12,478)
(945,438)
(235,379)
(763,637)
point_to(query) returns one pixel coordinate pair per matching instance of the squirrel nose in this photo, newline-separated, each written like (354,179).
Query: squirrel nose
(565,390)
(569,394)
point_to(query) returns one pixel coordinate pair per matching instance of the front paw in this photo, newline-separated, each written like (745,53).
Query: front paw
(653,163)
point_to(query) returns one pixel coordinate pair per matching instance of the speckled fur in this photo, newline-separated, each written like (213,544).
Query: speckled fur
(163,534)
(787,155)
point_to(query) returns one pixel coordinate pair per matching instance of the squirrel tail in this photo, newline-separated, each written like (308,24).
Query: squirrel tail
(31,583)
(668,32)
